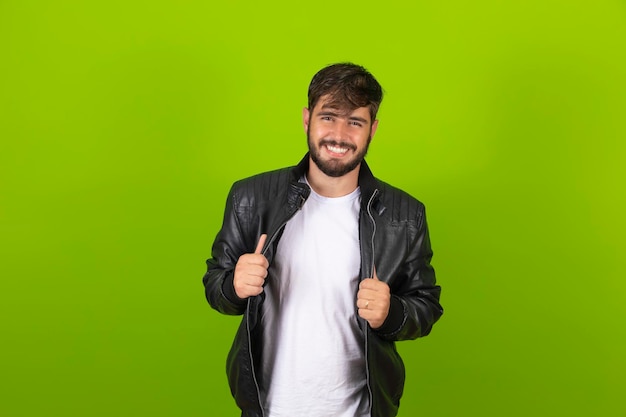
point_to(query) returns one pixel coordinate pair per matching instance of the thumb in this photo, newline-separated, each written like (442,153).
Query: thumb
(375,275)
(259,246)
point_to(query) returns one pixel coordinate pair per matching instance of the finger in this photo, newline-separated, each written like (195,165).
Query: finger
(366,313)
(367,295)
(374,285)
(255,259)
(370,284)
(251,290)
(259,246)
(375,275)
(254,281)
(257,271)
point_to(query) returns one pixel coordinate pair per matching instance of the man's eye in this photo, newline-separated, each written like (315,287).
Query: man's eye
(354,123)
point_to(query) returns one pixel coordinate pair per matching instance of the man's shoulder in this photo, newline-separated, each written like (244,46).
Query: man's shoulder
(273,175)
(266,183)
(394,192)
(400,202)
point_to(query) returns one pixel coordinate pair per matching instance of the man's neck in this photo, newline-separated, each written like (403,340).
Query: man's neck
(332,187)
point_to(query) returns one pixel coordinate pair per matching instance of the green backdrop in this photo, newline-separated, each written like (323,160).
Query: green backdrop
(124,123)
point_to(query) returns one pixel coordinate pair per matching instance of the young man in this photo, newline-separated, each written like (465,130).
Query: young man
(329,267)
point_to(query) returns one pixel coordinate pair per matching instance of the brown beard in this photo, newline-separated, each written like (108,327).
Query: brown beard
(336,168)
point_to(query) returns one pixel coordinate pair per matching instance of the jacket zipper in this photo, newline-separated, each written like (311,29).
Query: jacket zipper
(263,252)
(367,365)
(256,384)
(369,213)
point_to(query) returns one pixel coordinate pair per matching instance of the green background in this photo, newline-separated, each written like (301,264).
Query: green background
(124,123)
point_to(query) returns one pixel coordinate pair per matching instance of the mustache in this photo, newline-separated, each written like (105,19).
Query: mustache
(332,142)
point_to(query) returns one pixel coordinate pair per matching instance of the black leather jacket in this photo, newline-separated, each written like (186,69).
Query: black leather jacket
(394,238)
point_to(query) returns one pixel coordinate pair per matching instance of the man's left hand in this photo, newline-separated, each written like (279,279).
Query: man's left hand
(373,300)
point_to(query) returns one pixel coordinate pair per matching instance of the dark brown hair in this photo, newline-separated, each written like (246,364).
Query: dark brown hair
(349,87)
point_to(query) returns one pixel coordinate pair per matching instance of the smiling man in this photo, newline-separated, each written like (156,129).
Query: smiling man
(329,267)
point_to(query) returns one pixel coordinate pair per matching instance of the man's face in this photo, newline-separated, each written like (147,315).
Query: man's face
(338,140)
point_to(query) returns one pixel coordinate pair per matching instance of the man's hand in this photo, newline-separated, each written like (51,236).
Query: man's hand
(250,272)
(373,300)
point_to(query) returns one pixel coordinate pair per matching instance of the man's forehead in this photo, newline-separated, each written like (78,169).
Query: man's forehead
(330,105)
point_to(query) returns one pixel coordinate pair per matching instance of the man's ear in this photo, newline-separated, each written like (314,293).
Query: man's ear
(305,119)
(374,127)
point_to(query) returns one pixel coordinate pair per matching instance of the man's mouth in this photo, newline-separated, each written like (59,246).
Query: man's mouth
(337,148)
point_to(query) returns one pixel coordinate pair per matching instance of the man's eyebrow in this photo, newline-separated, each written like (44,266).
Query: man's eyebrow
(335,114)
(358,119)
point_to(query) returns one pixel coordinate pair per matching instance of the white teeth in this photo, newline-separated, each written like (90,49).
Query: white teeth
(336,149)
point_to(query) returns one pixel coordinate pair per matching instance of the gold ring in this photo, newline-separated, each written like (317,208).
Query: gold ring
(367,303)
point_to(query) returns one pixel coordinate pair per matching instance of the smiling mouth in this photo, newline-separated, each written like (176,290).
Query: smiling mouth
(337,149)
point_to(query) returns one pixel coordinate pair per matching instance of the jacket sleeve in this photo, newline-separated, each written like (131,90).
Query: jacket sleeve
(228,246)
(415,304)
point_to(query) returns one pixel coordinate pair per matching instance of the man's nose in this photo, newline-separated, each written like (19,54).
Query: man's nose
(341,130)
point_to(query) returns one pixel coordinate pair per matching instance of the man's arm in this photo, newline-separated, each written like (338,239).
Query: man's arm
(228,246)
(414,306)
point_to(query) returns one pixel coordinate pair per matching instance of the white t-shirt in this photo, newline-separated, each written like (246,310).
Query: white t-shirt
(313,361)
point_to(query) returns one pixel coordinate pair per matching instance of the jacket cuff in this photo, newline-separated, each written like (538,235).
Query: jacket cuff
(395,319)
(228,290)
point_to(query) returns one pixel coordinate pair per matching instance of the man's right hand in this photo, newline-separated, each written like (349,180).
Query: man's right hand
(251,271)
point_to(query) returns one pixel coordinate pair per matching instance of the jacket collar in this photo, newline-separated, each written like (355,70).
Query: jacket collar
(367,181)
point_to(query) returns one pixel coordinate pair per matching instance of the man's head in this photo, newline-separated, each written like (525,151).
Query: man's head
(341,118)
(348,87)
